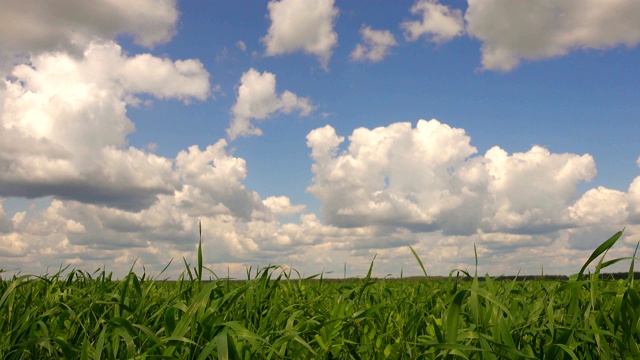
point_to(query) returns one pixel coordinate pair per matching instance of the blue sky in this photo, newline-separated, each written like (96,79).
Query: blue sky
(119,134)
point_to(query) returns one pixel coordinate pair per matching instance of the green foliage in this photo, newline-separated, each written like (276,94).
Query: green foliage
(274,316)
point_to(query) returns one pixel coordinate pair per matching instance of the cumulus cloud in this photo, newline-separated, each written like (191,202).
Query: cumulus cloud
(89,236)
(424,179)
(163,78)
(512,30)
(64,126)
(376,45)
(439,23)
(257,100)
(598,214)
(531,191)
(425,186)
(302,25)
(373,183)
(12,245)
(386,188)
(281,205)
(212,193)
(65,91)
(69,25)
(600,205)
(214,182)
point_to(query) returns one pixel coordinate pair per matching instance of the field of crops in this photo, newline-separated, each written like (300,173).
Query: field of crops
(276,315)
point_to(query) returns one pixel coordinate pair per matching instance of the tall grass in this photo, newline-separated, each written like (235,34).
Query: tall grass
(273,315)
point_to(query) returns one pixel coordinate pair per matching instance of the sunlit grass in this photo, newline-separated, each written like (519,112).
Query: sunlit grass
(274,315)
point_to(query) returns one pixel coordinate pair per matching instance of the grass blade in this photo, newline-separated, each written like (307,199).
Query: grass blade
(415,254)
(605,246)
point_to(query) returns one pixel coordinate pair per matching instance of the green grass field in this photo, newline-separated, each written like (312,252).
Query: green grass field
(276,315)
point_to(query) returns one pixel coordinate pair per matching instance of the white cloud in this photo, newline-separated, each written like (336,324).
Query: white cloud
(376,45)
(64,126)
(165,79)
(385,189)
(302,25)
(422,187)
(11,245)
(257,100)
(439,23)
(89,236)
(71,24)
(324,144)
(281,205)
(389,175)
(600,206)
(212,192)
(598,214)
(531,191)
(514,30)
(423,179)
(214,182)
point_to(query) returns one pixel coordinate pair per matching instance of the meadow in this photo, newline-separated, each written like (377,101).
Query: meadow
(275,314)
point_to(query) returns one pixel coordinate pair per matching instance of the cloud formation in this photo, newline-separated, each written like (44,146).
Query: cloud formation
(281,205)
(257,100)
(237,221)
(372,182)
(376,45)
(425,179)
(511,31)
(386,188)
(214,182)
(66,86)
(439,23)
(68,25)
(302,25)
(64,125)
